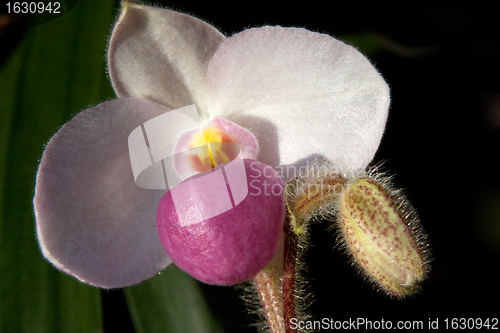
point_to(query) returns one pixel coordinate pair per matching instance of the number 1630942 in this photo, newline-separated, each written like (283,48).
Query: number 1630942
(33,7)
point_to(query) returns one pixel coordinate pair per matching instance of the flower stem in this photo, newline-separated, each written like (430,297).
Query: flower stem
(279,286)
(289,265)
(275,284)
(267,284)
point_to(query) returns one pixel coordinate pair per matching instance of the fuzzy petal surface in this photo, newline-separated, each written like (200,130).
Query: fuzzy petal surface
(93,221)
(161,55)
(300,93)
(224,232)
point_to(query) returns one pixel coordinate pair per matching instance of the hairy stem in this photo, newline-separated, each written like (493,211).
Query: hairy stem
(268,284)
(275,284)
(289,263)
(280,287)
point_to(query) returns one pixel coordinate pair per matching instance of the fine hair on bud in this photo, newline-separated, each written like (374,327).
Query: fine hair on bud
(315,194)
(380,231)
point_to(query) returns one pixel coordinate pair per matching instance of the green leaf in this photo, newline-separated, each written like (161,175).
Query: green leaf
(56,71)
(170,302)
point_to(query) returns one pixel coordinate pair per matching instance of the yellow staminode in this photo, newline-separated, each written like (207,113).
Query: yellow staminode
(217,153)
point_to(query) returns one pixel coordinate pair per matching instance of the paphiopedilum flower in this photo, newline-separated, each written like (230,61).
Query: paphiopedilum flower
(293,93)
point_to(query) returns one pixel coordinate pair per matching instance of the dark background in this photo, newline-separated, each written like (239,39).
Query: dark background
(441,142)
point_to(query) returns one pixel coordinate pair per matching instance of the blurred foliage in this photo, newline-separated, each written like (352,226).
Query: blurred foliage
(170,302)
(443,145)
(487,217)
(56,70)
(372,43)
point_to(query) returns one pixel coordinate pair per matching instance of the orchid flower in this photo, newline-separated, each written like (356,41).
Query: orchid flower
(284,95)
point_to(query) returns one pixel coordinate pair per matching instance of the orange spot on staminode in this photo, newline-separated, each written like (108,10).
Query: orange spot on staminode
(208,156)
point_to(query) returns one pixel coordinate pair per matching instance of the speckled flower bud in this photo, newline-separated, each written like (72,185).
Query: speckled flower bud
(383,236)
